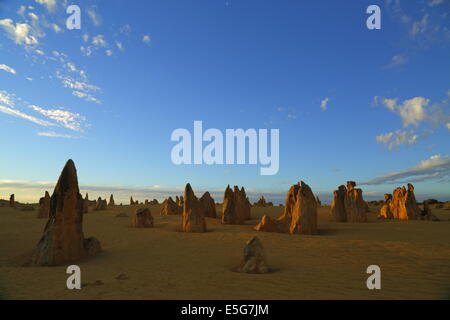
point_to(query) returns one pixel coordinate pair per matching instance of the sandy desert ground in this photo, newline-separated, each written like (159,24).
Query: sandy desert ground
(164,263)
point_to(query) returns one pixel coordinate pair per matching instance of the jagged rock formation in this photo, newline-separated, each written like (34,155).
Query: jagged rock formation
(348,204)
(385,210)
(132,202)
(111,201)
(169,207)
(142,218)
(100,205)
(154,202)
(236,207)
(179,201)
(44,206)
(404,205)
(209,205)
(355,206)
(63,240)
(12,201)
(193,212)
(300,213)
(254,260)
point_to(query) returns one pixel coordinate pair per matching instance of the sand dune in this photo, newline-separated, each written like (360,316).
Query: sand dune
(165,263)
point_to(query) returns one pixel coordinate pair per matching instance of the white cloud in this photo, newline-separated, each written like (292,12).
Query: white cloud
(99,40)
(436,167)
(50,4)
(67,119)
(7,68)
(29,78)
(17,113)
(119,45)
(448,126)
(109,52)
(21,11)
(56,28)
(146,39)
(85,37)
(420,26)
(394,139)
(396,61)
(33,16)
(20,33)
(411,111)
(324,104)
(95,18)
(55,135)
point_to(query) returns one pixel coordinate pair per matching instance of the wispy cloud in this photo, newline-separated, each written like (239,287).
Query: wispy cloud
(392,140)
(324,104)
(397,60)
(146,39)
(49,4)
(436,167)
(93,15)
(7,68)
(17,113)
(67,119)
(10,104)
(53,134)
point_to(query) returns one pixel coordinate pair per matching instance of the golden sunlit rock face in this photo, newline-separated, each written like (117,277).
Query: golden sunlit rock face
(401,205)
(300,213)
(63,240)
(193,212)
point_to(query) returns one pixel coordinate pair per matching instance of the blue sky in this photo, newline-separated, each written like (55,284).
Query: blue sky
(350,103)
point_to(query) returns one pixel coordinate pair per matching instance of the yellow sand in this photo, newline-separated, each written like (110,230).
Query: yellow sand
(164,263)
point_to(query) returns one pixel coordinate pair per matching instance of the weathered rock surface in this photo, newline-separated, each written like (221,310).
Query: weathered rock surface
(193,212)
(355,206)
(338,205)
(209,205)
(404,205)
(254,260)
(44,206)
(385,210)
(169,207)
(63,240)
(300,213)
(142,218)
(348,204)
(236,207)
(12,201)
